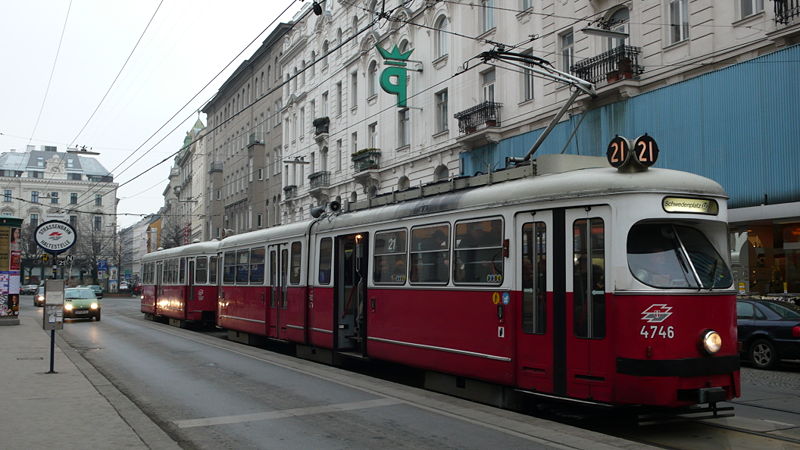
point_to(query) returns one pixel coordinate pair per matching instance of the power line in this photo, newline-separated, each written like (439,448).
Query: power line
(52,71)
(118,74)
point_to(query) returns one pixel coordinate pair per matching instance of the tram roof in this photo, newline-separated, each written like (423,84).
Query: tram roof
(582,183)
(198,248)
(266,235)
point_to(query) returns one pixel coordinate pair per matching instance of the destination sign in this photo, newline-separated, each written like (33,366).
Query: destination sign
(690,205)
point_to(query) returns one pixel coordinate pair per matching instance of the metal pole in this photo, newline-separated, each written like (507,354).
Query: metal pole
(52,350)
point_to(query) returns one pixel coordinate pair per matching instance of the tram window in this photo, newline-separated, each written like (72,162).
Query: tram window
(325,249)
(675,256)
(430,254)
(588,278)
(201,270)
(257,265)
(229,268)
(182,271)
(242,265)
(534,277)
(294,277)
(479,252)
(212,270)
(390,257)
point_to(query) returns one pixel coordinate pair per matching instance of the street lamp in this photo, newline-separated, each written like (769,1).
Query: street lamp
(82,151)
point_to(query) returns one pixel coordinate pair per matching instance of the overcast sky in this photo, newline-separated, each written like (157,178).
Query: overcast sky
(185,46)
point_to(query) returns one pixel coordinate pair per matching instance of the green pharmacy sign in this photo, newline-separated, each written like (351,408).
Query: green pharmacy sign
(393,78)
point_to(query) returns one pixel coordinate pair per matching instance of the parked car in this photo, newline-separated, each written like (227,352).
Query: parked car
(81,303)
(39,297)
(123,285)
(98,290)
(28,289)
(769,330)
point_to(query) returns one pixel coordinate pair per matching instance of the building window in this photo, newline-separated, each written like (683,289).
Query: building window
(442,118)
(98,200)
(487,83)
(440,37)
(567,41)
(750,7)
(372,78)
(259,221)
(73,198)
(324,106)
(403,127)
(34,220)
(354,142)
(74,176)
(97,223)
(354,89)
(678,20)
(54,198)
(7,195)
(34,174)
(526,4)
(618,22)
(527,81)
(339,155)
(73,220)
(487,14)
(35,197)
(372,135)
(339,98)
(260,174)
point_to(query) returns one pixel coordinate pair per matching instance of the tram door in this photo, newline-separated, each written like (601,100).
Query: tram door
(588,367)
(189,284)
(351,291)
(159,290)
(535,274)
(278,277)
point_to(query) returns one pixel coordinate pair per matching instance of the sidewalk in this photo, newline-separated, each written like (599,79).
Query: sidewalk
(73,408)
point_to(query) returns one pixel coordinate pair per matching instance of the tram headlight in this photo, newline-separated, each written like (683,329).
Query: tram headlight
(712,342)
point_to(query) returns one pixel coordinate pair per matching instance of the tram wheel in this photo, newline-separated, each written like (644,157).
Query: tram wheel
(762,354)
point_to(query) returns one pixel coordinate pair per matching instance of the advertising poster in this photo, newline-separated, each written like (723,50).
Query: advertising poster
(6,308)
(5,248)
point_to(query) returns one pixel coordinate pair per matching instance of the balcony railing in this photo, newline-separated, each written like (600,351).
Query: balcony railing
(484,113)
(320,179)
(255,138)
(614,65)
(366,159)
(289,192)
(786,10)
(321,125)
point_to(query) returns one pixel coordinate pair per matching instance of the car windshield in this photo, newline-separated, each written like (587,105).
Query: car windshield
(785,310)
(78,293)
(675,256)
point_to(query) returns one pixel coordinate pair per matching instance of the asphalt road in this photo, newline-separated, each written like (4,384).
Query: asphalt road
(207,392)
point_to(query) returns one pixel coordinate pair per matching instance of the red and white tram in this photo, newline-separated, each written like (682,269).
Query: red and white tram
(180,284)
(595,284)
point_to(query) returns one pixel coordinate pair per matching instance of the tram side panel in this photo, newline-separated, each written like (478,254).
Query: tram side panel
(148,300)
(243,308)
(202,305)
(320,317)
(458,332)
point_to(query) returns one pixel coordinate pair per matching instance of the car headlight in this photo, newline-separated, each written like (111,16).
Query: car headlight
(93,305)
(68,306)
(40,298)
(712,342)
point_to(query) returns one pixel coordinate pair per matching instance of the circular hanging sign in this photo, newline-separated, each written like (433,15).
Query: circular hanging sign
(618,152)
(55,236)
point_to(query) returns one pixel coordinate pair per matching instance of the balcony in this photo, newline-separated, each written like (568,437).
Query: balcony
(321,125)
(786,11)
(255,138)
(366,159)
(216,166)
(614,65)
(289,192)
(319,179)
(318,185)
(486,113)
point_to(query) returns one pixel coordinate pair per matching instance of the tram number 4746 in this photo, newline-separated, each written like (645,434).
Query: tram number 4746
(653,331)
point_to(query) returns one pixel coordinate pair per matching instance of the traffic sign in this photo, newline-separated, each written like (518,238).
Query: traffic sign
(55,236)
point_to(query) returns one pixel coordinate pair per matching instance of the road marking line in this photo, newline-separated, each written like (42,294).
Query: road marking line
(295,412)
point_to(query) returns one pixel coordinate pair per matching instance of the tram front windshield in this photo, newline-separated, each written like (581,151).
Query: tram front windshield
(675,256)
